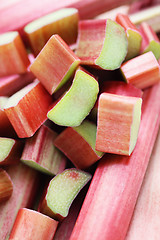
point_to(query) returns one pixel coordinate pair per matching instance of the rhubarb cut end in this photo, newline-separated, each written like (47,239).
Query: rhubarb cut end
(155,48)
(63,189)
(8,37)
(6,145)
(114,49)
(135,124)
(134,43)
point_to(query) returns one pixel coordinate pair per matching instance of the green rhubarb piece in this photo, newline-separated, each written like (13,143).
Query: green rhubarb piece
(76,104)
(155,48)
(114,48)
(6,145)
(63,189)
(88,131)
(134,43)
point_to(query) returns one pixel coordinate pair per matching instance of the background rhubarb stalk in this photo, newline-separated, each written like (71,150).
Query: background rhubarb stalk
(110,201)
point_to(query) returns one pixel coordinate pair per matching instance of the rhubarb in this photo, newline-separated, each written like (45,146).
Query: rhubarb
(78,144)
(76,104)
(40,153)
(63,22)
(24,189)
(27,109)
(58,61)
(142,71)
(150,40)
(111,198)
(118,123)
(133,35)
(102,43)
(33,225)
(61,192)
(13,56)
(6,186)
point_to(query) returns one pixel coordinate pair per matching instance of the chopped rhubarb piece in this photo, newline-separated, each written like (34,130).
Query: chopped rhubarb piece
(63,22)
(10,150)
(78,144)
(133,35)
(76,104)
(40,153)
(61,192)
(146,218)
(118,123)
(33,225)
(27,109)
(102,43)
(13,56)
(150,40)
(113,192)
(6,186)
(142,71)
(58,61)
(11,84)
(24,189)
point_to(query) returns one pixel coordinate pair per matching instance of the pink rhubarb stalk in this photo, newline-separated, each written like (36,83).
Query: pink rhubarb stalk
(110,201)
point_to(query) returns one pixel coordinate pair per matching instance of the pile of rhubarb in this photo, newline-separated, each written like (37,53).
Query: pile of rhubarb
(79,117)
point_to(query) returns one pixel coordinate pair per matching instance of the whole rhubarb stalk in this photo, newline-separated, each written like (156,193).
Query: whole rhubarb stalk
(111,198)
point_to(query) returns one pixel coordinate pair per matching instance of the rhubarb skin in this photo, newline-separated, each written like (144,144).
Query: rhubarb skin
(11,84)
(58,61)
(78,144)
(6,186)
(118,123)
(13,56)
(113,192)
(40,153)
(25,187)
(27,109)
(31,223)
(63,22)
(142,71)
(150,40)
(133,35)
(77,102)
(102,43)
(61,192)
(11,151)
(145,220)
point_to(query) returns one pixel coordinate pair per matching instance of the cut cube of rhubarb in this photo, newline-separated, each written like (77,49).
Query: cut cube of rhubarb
(61,192)
(78,144)
(24,190)
(118,123)
(146,218)
(10,150)
(11,84)
(150,40)
(133,35)
(63,22)
(142,71)
(6,186)
(40,153)
(13,56)
(59,63)
(27,109)
(30,224)
(113,192)
(76,104)
(102,43)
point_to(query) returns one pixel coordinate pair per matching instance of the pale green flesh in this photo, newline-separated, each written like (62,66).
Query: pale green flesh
(49,18)
(76,104)
(135,124)
(114,48)
(155,48)
(8,37)
(64,188)
(36,166)
(6,145)
(69,74)
(3,101)
(134,44)
(88,131)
